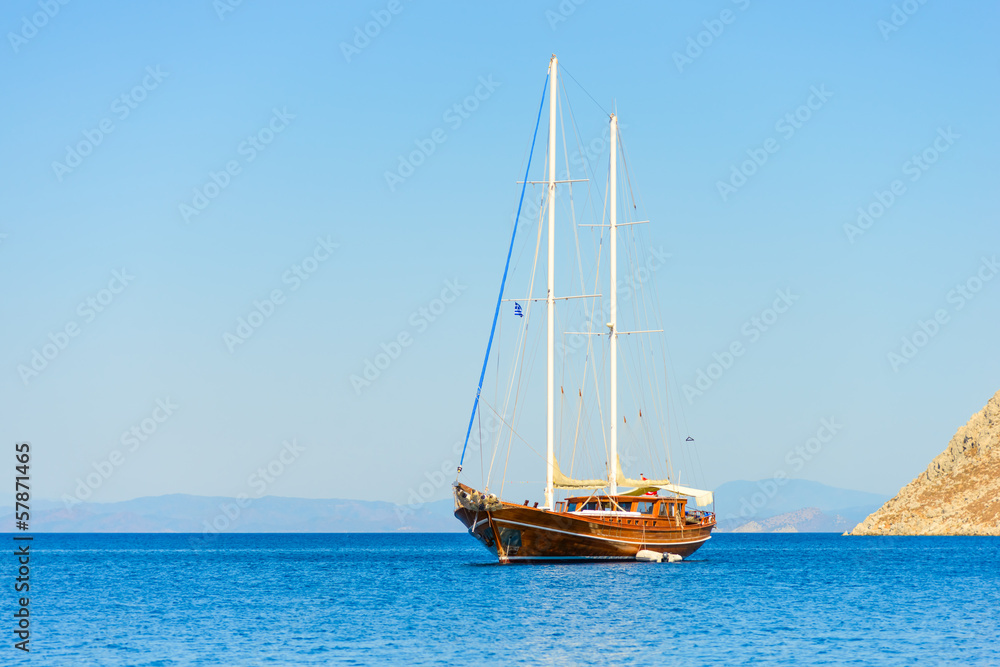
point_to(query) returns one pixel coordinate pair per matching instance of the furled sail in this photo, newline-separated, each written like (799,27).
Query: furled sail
(702,498)
(625,481)
(561,481)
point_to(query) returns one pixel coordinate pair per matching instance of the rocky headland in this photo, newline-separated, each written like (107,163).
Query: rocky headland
(958,494)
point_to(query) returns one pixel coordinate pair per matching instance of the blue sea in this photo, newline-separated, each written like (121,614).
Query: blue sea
(441,600)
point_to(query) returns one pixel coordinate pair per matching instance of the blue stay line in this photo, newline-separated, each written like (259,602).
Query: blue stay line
(496,313)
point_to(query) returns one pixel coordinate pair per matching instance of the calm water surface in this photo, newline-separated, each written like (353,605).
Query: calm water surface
(439,599)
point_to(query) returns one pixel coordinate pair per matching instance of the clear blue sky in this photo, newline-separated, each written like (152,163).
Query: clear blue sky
(202,81)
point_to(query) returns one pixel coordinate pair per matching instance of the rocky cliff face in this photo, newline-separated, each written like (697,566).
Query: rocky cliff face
(958,494)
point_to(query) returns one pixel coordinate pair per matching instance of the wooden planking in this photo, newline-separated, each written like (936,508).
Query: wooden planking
(538,534)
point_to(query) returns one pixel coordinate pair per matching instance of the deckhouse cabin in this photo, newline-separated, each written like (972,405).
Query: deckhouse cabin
(649,511)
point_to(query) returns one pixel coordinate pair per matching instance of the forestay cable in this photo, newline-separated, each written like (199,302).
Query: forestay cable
(503,282)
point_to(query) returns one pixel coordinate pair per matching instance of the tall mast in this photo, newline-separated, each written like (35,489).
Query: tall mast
(612,207)
(551,388)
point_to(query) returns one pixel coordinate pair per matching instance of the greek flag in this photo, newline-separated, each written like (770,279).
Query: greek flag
(518,310)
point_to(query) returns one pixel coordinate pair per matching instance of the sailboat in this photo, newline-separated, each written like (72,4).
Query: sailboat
(611,517)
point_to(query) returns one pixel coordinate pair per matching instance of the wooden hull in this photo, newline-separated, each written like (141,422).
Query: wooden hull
(517,533)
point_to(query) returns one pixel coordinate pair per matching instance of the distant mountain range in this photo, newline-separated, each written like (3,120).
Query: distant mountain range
(179,513)
(780,505)
(809,520)
(742,506)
